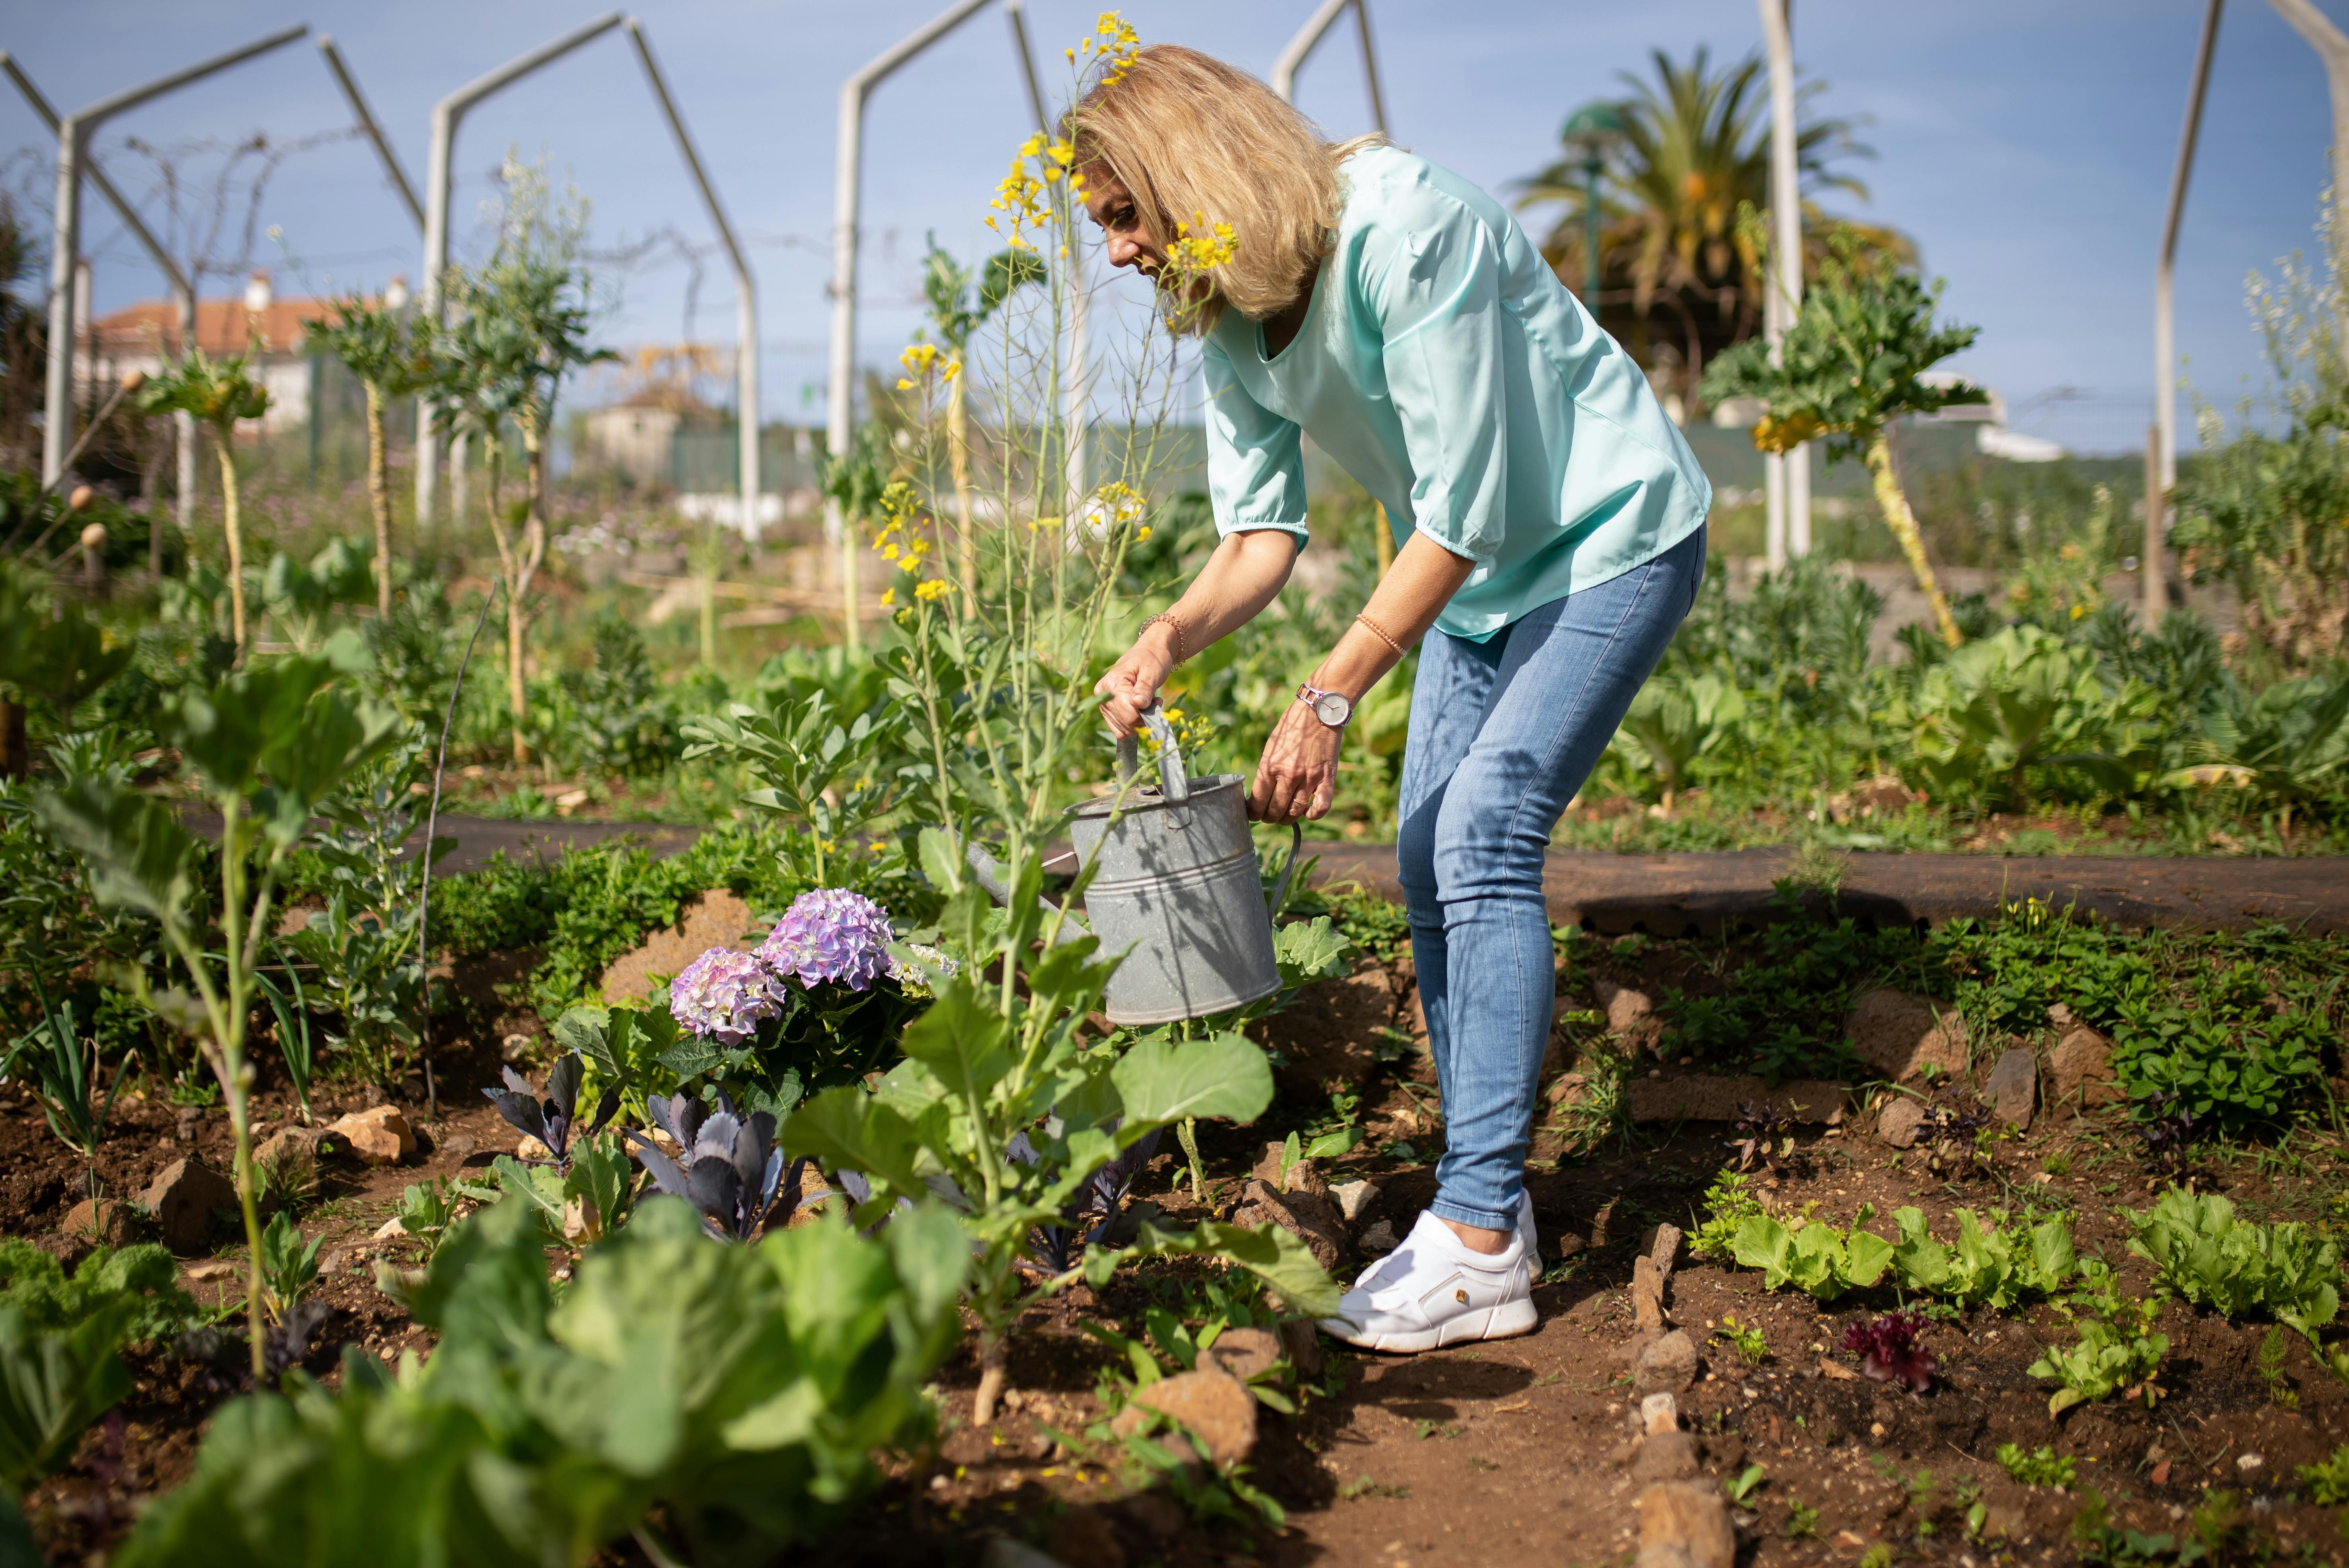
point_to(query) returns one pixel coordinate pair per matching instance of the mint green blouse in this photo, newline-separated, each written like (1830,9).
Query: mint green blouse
(1443,365)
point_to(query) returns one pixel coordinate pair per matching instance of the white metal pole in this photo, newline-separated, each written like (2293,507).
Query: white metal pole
(847,169)
(183,295)
(1370,69)
(446,115)
(1076,406)
(366,120)
(1292,54)
(2333,49)
(746,294)
(2163,469)
(74,133)
(1787,212)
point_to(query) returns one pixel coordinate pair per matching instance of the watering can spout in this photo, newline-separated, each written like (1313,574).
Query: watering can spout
(994,880)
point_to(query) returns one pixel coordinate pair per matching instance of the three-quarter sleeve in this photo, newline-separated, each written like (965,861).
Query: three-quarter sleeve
(1256,459)
(1439,308)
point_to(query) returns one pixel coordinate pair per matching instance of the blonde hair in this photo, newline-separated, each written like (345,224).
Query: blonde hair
(1199,143)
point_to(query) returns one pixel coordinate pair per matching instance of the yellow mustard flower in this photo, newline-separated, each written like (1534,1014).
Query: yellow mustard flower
(931,591)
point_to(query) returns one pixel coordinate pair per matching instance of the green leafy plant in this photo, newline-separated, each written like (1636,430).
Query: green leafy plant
(1176,1334)
(2110,1359)
(2327,1481)
(1748,1339)
(2020,703)
(815,768)
(1813,1254)
(1995,1265)
(2236,1268)
(64,1070)
(220,394)
(264,747)
(289,1266)
(1854,362)
(744,1391)
(984,1070)
(54,1383)
(428,1213)
(1746,1484)
(143,1276)
(1728,1205)
(1675,720)
(1802,1520)
(2037,1467)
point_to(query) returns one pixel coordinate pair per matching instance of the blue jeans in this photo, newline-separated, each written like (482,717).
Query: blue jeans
(1503,733)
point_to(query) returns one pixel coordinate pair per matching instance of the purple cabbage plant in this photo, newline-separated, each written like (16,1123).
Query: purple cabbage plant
(1888,1350)
(729,1167)
(553,1120)
(829,934)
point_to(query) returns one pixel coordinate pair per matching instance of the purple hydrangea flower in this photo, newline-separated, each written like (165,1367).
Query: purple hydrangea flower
(724,994)
(831,935)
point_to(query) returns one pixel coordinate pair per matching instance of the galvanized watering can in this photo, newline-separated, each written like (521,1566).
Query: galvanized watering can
(1175,888)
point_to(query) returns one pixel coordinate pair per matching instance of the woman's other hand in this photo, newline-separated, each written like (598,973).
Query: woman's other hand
(1133,681)
(1299,774)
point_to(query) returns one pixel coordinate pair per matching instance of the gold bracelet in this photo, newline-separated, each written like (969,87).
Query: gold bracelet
(1380,632)
(1168,616)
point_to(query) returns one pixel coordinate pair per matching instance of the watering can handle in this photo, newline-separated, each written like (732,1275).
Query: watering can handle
(1280,888)
(1173,784)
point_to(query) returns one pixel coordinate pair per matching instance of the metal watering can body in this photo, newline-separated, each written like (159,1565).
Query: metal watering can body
(1175,888)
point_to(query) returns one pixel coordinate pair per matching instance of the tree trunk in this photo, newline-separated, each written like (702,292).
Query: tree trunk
(379,498)
(958,454)
(1903,524)
(232,526)
(991,1370)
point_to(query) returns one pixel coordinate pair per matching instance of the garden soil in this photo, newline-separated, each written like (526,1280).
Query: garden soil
(1492,1454)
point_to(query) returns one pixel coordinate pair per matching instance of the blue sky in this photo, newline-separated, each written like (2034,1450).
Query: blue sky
(2026,145)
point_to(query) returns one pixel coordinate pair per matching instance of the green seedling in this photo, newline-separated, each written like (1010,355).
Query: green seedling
(1746,1484)
(1802,1520)
(2041,1466)
(1746,1338)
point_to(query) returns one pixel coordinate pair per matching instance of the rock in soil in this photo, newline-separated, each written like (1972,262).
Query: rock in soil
(1211,1404)
(2013,1087)
(1667,1456)
(1245,1351)
(1315,1220)
(1667,1365)
(1900,1034)
(1379,1239)
(380,1136)
(2081,1066)
(1353,1197)
(1304,1176)
(101,1221)
(1897,1124)
(1685,1524)
(182,1198)
(1647,1296)
(1662,1245)
(1302,1342)
(1002,1551)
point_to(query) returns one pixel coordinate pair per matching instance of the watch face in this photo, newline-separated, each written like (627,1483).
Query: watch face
(1332,708)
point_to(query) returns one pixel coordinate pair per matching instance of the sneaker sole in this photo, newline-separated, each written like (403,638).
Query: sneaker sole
(1506,1321)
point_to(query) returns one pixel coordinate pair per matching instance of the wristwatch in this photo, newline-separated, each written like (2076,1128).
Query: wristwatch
(1331,707)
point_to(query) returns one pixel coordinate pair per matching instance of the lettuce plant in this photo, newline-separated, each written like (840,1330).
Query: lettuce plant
(1995,1265)
(1813,1254)
(2236,1268)
(1888,1350)
(2107,1361)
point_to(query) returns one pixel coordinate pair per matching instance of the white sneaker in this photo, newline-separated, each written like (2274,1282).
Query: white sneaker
(1433,1291)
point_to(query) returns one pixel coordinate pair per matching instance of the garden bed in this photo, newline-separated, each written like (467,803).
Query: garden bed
(1516,1451)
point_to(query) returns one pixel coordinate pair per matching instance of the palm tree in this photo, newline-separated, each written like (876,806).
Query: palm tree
(1679,282)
